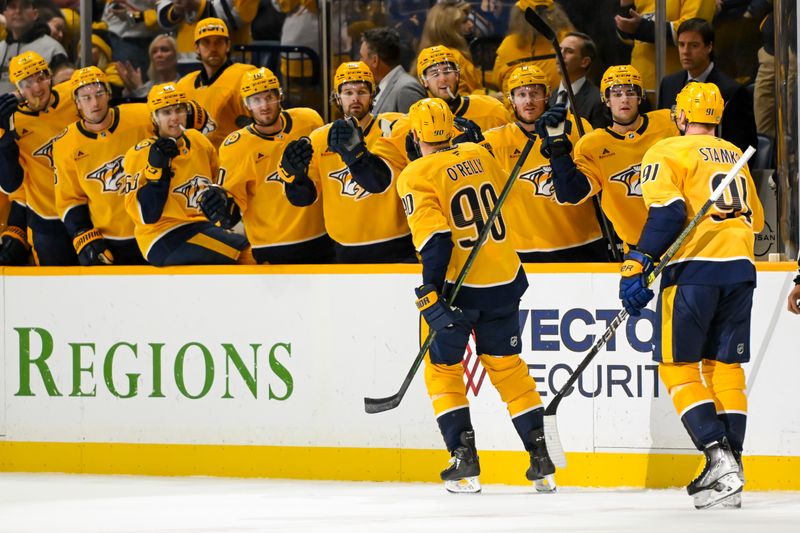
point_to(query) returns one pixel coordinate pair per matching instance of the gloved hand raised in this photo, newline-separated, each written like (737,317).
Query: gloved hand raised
(346,139)
(636,270)
(296,158)
(553,128)
(8,104)
(162,151)
(471,132)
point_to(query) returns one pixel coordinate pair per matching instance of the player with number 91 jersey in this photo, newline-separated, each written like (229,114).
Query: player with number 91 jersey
(720,249)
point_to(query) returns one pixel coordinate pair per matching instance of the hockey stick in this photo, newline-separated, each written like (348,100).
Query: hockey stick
(554,448)
(547,32)
(378,405)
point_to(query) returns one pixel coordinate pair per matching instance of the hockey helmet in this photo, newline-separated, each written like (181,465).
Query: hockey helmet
(620,75)
(24,65)
(700,102)
(434,55)
(432,120)
(88,76)
(353,71)
(527,75)
(259,80)
(165,95)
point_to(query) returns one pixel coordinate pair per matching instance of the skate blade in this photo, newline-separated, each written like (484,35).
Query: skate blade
(724,489)
(466,485)
(546,484)
(734,502)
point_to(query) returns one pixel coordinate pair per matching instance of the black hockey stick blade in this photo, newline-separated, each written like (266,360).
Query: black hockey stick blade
(379,405)
(540,25)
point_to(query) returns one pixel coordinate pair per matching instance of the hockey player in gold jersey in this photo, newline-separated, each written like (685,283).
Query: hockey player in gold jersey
(448,194)
(165,175)
(608,160)
(343,166)
(216,84)
(702,329)
(88,171)
(540,229)
(278,231)
(26,158)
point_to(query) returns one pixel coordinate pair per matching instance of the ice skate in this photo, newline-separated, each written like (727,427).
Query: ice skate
(719,481)
(542,470)
(462,474)
(735,502)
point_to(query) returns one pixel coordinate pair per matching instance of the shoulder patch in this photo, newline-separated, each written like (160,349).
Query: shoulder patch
(232,138)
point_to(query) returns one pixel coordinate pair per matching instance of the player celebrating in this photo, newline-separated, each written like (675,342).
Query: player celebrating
(436,191)
(89,175)
(164,177)
(363,214)
(279,232)
(609,160)
(540,229)
(215,86)
(26,160)
(706,298)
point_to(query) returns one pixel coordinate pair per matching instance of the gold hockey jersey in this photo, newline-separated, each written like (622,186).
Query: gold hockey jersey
(220,97)
(89,169)
(194,169)
(612,162)
(248,171)
(689,168)
(354,216)
(536,222)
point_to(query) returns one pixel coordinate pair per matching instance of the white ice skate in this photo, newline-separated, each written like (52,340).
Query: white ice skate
(719,481)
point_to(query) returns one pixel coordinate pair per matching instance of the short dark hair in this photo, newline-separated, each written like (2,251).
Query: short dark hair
(385,42)
(701,26)
(589,49)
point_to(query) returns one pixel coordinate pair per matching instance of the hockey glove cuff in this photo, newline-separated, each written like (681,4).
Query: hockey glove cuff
(14,247)
(436,312)
(92,248)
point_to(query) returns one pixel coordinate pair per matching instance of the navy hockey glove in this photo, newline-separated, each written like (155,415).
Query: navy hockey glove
(295,159)
(346,139)
(472,132)
(412,148)
(218,207)
(8,104)
(92,248)
(14,247)
(161,152)
(553,128)
(636,271)
(436,312)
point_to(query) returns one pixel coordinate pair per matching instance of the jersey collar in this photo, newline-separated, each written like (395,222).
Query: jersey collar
(639,131)
(111,128)
(461,105)
(54,100)
(203,80)
(287,127)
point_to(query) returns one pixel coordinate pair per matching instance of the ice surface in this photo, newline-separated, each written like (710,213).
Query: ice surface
(87,503)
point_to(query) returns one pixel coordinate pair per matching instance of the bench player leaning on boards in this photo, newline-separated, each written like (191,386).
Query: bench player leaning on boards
(164,177)
(540,229)
(435,190)
(279,232)
(608,160)
(702,328)
(89,175)
(26,163)
(343,166)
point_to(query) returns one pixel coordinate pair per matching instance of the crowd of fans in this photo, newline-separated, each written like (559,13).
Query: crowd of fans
(139,45)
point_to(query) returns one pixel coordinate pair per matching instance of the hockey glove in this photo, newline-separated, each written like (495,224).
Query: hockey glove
(295,160)
(553,128)
(436,312)
(472,132)
(161,152)
(92,248)
(636,271)
(8,104)
(218,207)
(346,139)
(14,247)
(412,148)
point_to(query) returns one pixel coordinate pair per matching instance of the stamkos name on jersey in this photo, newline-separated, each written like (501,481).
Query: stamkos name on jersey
(467,168)
(718,155)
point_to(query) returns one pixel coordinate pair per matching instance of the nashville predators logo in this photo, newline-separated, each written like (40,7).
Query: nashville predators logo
(110,175)
(191,190)
(630,178)
(273,177)
(541,179)
(46,150)
(349,186)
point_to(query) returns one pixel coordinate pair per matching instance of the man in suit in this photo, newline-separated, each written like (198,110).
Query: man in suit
(579,52)
(397,90)
(695,45)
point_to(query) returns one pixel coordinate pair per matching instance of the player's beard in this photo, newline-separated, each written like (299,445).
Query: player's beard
(264,124)
(359,114)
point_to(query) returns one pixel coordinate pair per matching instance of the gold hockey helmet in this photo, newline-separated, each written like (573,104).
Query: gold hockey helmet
(434,55)
(24,65)
(259,80)
(88,76)
(527,75)
(620,75)
(165,95)
(432,120)
(353,71)
(700,102)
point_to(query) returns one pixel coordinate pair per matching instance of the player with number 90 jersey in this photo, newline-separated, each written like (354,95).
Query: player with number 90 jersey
(453,191)
(720,249)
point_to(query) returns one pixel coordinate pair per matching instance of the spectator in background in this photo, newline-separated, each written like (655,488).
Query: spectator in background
(448,24)
(62,70)
(25,32)
(764,89)
(163,54)
(132,24)
(380,50)
(181,16)
(695,44)
(579,52)
(101,58)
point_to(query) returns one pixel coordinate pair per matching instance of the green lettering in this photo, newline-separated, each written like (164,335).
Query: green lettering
(78,370)
(281,371)
(156,348)
(25,361)
(208,367)
(251,380)
(108,366)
